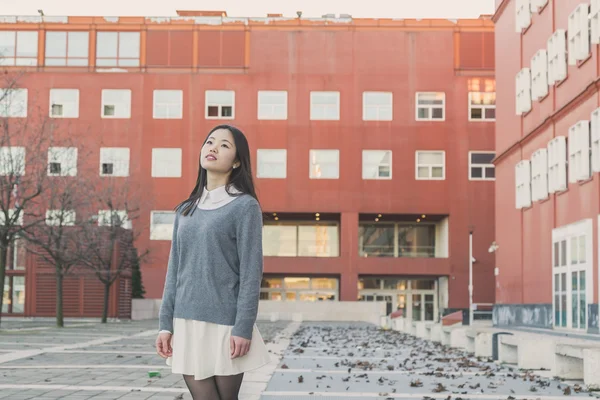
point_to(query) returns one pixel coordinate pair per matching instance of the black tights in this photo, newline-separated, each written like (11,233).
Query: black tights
(215,387)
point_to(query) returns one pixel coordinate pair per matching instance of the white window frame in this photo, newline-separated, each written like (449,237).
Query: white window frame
(220,104)
(580,230)
(484,167)
(522,15)
(270,170)
(430,166)
(11,216)
(389,106)
(539,175)
(15,160)
(483,107)
(557,164)
(579,34)
(119,157)
(161,231)
(539,75)
(13,103)
(557,57)
(333,108)
(68,99)
(104,218)
(523,184)
(595,139)
(19,57)
(595,21)
(276,111)
(117,59)
(378,166)
(538,5)
(523,90)
(313,154)
(66,157)
(173,109)
(579,152)
(53,217)
(122,106)
(166,162)
(67,57)
(430,107)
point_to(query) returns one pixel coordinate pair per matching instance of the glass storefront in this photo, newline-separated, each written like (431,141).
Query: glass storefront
(397,240)
(299,289)
(301,240)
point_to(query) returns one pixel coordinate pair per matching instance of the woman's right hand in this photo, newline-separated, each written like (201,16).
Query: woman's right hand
(163,345)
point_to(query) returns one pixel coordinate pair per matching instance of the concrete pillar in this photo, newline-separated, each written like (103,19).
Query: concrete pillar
(349,256)
(591,368)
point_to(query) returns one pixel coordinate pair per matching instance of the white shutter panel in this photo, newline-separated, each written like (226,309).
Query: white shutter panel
(518,185)
(561,153)
(543,165)
(595,17)
(560,72)
(526,172)
(583,137)
(596,139)
(573,149)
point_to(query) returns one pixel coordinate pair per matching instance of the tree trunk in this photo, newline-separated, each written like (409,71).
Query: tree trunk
(3,260)
(60,322)
(106,297)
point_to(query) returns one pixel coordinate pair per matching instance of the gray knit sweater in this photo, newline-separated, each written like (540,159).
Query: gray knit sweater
(215,267)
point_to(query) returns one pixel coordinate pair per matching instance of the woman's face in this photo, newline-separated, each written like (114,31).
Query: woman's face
(219,153)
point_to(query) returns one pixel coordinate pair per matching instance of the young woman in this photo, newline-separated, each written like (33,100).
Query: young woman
(207,319)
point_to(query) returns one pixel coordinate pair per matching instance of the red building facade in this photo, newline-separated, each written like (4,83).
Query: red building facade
(372,140)
(547,195)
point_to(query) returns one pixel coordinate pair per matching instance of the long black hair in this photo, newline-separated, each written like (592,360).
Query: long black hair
(240,178)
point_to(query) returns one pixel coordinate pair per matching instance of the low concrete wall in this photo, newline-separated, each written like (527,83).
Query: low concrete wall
(531,315)
(269,310)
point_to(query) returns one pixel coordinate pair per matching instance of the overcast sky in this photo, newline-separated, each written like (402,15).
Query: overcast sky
(256,8)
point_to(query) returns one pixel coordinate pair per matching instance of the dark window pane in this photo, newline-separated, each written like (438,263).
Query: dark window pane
(423,113)
(55,168)
(476,113)
(438,113)
(226,111)
(107,169)
(213,111)
(490,172)
(369,283)
(109,111)
(482,158)
(423,284)
(377,240)
(476,172)
(490,113)
(416,241)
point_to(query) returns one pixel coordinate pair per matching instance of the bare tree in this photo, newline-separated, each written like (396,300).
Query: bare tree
(110,238)
(25,135)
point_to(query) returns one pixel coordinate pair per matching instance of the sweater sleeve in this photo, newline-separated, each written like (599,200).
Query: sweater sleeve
(250,254)
(165,319)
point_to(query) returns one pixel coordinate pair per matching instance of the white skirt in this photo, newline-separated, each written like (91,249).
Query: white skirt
(202,349)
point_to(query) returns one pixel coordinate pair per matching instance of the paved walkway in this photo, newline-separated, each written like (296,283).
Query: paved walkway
(332,361)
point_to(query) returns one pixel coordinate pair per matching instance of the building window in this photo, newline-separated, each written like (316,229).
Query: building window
(13,103)
(431,106)
(67,49)
(523,91)
(114,161)
(523,15)
(324,164)
(595,138)
(272,163)
(325,106)
(481,167)
(166,163)
(62,161)
(579,152)
(161,225)
(430,165)
(118,49)
(64,103)
(377,106)
(60,217)
(13,295)
(557,164)
(572,270)
(12,161)
(116,103)
(301,240)
(539,75)
(523,184)
(18,48)
(397,240)
(272,105)
(298,289)
(168,104)
(557,57)
(595,21)
(579,34)
(377,164)
(537,5)
(114,218)
(482,106)
(539,175)
(220,104)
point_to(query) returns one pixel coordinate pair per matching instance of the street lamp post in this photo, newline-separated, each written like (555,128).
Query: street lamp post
(470,278)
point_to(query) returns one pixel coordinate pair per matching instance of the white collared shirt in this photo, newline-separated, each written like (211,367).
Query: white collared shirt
(216,198)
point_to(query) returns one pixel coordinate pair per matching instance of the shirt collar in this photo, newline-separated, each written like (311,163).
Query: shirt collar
(217,195)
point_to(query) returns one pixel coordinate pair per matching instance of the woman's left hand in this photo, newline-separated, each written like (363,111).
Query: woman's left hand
(239,346)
